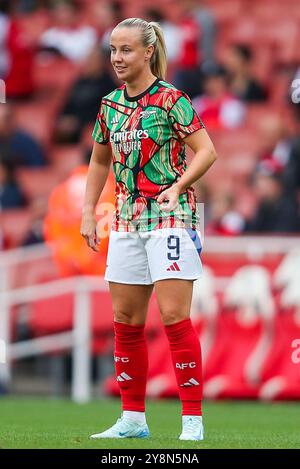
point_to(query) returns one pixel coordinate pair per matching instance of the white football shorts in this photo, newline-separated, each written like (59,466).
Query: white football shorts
(144,257)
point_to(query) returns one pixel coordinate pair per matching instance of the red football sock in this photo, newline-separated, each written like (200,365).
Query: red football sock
(186,356)
(131,364)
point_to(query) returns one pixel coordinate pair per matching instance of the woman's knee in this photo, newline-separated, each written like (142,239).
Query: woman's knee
(131,318)
(172,316)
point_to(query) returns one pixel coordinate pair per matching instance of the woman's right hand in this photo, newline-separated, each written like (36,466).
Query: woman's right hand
(88,230)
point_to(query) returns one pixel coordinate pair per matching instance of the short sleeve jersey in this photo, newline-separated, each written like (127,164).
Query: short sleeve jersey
(146,135)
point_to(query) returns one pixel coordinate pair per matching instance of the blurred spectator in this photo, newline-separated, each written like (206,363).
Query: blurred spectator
(38,210)
(224,219)
(238,62)
(82,105)
(217,107)
(292,169)
(171,33)
(295,89)
(29,6)
(105,16)
(2,247)
(4,53)
(19,146)
(68,37)
(17,49)
(276,211)
(274,139)
(207,25)
(279,147)
(11,195)
(186,76)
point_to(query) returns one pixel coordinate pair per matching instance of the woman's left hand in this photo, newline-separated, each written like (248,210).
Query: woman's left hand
(169,198)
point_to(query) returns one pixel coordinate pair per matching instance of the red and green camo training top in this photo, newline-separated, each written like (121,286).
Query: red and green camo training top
(146,135)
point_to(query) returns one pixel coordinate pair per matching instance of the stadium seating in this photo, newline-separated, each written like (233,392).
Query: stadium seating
(15,224)
(54,315)
(65,158)
(280,374)
(37,182)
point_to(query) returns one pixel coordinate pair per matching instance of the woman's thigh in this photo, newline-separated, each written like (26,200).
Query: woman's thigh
(174,297)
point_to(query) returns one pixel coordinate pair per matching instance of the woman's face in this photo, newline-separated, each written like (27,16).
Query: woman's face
(128,55)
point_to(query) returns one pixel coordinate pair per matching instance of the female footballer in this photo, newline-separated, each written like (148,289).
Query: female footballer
(142,128)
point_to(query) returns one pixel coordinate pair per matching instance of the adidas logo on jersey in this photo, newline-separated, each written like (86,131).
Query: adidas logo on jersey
(146,114)
(115,119)
(190,382)
(173,267)
(124,377)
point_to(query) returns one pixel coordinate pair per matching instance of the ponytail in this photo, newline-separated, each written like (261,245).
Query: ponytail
(159,58)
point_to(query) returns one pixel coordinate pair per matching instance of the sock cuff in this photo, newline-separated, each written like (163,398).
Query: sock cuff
(192,407)
(129,336)
(179,327)
(122,327)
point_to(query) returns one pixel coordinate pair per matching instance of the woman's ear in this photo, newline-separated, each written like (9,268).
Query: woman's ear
(149,52)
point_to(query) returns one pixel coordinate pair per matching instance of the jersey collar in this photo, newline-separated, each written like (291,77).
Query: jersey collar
(141,95)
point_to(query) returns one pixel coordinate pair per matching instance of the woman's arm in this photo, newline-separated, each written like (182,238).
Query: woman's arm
(97,175)
(205,156)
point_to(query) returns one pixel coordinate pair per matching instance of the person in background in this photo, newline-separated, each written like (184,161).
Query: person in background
(283,149)
(217,106)
(275,142)
(291,174)
(238,62)
(223,218)
(67,37)
(105,15)
(38,211)
(11,195)
(21,148)
(171,34)
(207,25)
(188,60)
(81,105)
(17,51)
(4,29)
(276,212)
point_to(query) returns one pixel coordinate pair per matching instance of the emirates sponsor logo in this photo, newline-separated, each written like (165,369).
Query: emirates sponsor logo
(128,135)
(128,140)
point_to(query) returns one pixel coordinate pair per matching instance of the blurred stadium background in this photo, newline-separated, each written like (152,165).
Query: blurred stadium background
(239,60)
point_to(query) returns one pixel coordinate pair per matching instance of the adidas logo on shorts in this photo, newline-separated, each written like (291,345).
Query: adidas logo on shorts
(174,267)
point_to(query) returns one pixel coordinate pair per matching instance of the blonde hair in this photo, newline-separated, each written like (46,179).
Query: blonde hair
(152,34)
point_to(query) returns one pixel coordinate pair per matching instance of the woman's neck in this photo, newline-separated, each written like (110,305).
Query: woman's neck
(139,85)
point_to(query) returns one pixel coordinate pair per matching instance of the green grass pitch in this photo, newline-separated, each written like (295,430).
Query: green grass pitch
(49,423)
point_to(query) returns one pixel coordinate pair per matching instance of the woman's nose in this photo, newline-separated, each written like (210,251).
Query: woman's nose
(117,57)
